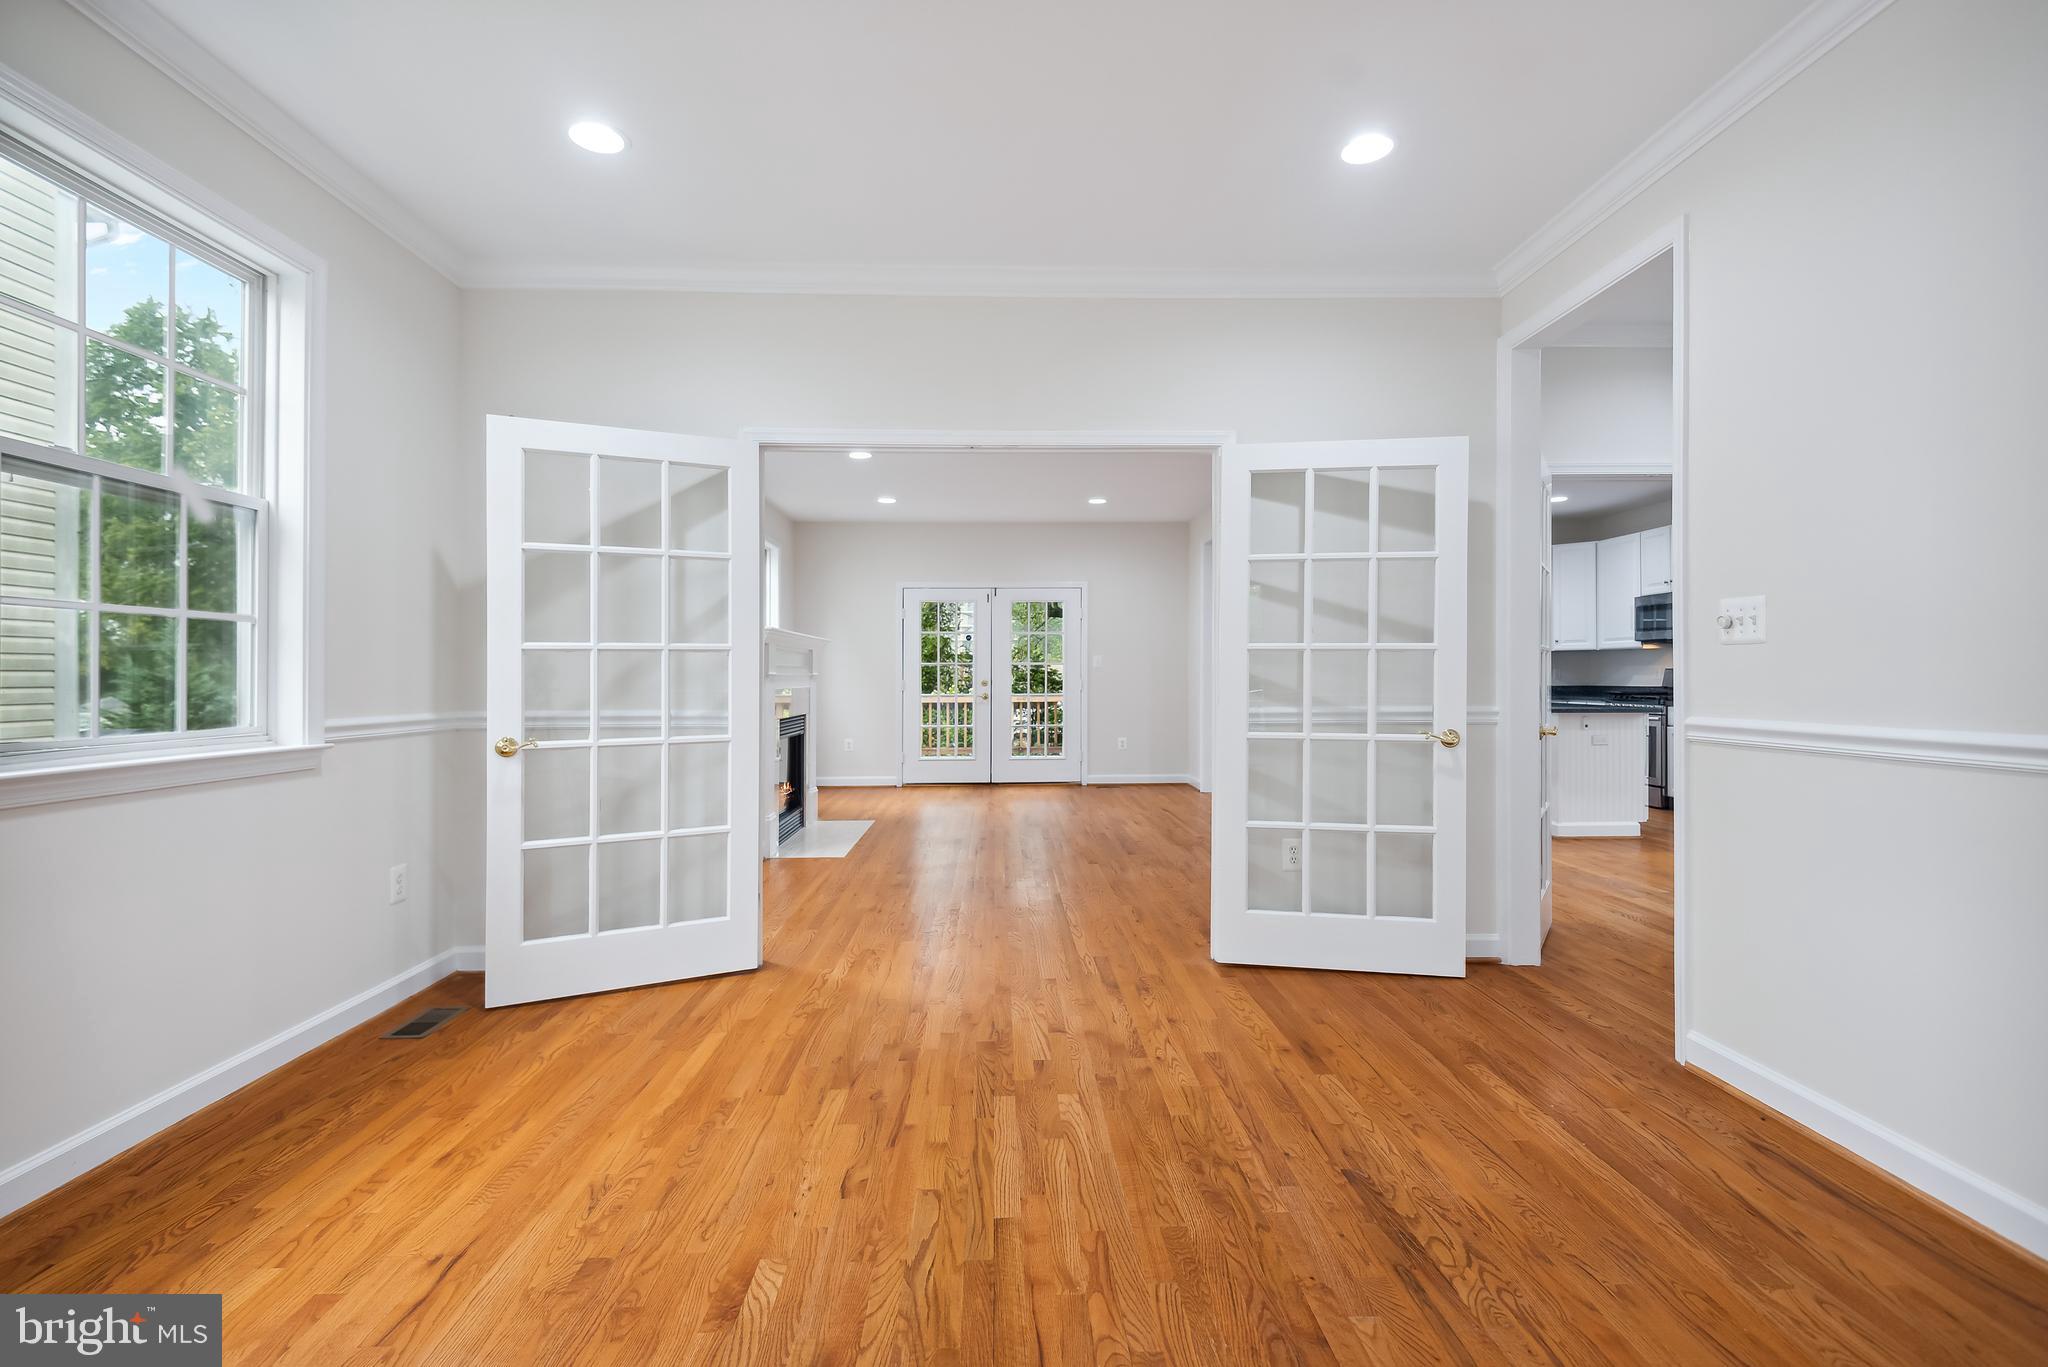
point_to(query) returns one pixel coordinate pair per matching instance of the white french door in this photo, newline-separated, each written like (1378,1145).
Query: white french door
(622,839)
(991,685)
(945,685)
(1036,694)
(1339,818)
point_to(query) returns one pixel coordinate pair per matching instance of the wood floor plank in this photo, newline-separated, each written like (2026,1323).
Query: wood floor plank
(990,1101)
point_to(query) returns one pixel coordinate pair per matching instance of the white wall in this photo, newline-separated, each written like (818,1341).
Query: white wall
(777,529)
(186,925)
(1606,406)
(1865,419)
(1201,618)
(1270,370)
(1136,574)
(1616,668)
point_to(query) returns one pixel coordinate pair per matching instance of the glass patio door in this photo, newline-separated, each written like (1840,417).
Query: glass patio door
(946,685)
(623,606)
(992,684)
(1339,819)
(1036,696)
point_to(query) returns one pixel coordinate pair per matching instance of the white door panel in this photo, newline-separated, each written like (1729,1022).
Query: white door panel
(1339,822)
(621,843)
(1036,702)
(946,685)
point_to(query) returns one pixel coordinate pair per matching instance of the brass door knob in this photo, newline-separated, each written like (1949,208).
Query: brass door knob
(509,747)
(1449,739)
(1547,731)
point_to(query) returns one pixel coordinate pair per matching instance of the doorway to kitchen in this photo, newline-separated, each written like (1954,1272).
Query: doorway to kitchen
(1592,414)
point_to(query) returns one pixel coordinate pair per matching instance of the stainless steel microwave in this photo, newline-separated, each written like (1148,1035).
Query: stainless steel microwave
(1653,618)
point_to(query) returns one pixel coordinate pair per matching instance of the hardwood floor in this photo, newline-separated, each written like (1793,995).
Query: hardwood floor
(991,1102)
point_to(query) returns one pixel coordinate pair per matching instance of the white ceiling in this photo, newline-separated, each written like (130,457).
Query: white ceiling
(818,485)
(1063,140)
(1588,496)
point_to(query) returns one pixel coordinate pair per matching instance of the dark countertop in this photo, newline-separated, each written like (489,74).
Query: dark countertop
(1603,705)
(1608,698)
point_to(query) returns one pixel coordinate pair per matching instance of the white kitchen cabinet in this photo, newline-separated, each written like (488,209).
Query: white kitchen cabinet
(1574,599)
(1656,576)
(1618,575)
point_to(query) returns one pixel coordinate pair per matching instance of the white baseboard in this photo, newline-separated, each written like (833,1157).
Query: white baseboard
(44,1172)
(1483,946)
(1573,830)
(1998,1209)
(859,781)
(1097,779)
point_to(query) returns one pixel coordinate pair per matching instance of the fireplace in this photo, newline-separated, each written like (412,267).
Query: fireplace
(789,778)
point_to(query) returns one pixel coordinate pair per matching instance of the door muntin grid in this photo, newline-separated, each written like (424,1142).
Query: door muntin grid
(1038,678)
(1341,789)
(626,690)
(948,684)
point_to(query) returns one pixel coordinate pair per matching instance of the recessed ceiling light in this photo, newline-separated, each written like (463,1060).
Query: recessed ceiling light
(885,499)
(1560,498)
(597,137)
(1367,147)
(1098,500)
(860,455)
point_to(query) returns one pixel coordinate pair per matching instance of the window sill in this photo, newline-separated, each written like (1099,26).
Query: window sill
(68,783)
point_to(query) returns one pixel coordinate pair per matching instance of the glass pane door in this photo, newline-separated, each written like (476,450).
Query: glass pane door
(1036,699)
(1340,842)
(945,686)
(617,602)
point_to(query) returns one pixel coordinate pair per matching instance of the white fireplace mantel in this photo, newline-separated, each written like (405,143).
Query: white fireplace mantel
(790,664)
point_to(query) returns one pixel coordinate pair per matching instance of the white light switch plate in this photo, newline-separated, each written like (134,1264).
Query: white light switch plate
(1741,621)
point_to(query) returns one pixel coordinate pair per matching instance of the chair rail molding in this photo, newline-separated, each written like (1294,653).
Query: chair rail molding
(401,724)
(2019,752)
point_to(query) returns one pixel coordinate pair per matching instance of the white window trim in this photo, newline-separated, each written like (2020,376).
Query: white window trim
(295,299)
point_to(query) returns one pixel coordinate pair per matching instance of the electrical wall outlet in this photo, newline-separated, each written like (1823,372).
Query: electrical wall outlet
(1123,742)
(1741,621)
(395,890)
(849,745)
(1290,856)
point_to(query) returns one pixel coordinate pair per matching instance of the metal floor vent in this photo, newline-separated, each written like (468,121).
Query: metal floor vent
(425,1023)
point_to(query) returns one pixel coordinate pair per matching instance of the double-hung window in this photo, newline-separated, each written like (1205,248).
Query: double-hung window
(134,519)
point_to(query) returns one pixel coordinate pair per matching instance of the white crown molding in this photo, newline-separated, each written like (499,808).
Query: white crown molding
(153,37)
(982,282)
(2016,752)
(1790,51)
(144,29)
(401,724)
